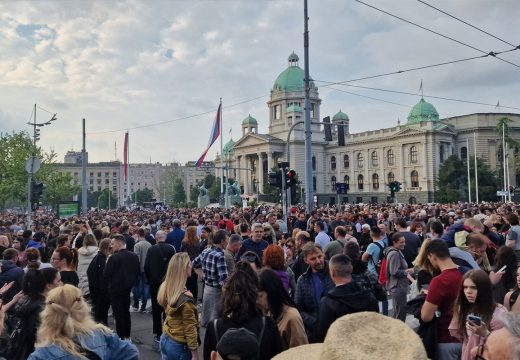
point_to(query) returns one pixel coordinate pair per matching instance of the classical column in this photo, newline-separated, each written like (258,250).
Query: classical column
(260,173)
(367,180)
(247,178)
(425,161)
(269,161)
(403,159)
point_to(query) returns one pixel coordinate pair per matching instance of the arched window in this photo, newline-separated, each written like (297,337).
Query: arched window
(346,180)
(333,183)
(441,153)
(360,182)
(414,177)
(360,160)
(333,163)
(413,154)
(391,177)
(314,183)
(314,163)
(463,153)
(375,161)
(375,181)
(390,157)
(346,161)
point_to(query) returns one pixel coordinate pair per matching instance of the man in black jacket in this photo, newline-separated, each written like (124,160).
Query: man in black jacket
(97,286)
(347,297)
(155,266)
(120,275)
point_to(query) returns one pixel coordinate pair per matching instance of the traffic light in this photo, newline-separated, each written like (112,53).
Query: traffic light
(327,129)
(275,179)
(36,193)
(395,186)
(341,135)
(290,178)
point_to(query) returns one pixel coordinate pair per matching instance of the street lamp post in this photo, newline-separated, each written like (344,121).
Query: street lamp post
(33,161)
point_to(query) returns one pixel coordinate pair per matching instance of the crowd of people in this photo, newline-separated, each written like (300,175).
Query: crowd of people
(254,283)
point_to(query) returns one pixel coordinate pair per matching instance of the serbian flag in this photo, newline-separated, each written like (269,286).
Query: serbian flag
(125,157)
(215,133)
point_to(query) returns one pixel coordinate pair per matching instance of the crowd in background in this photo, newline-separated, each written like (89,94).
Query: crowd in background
(272,281)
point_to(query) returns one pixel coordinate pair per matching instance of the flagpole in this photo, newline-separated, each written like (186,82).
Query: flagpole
(476,170)
(504,157)
(129,199)
(467,163)
(508,180)
(221,154)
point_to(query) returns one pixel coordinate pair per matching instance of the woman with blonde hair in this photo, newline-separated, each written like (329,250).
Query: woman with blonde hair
(179,340)
(67,331)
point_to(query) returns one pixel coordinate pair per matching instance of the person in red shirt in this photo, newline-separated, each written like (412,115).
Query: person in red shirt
(441,296)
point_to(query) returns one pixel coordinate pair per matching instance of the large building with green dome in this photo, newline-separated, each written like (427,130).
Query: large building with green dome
(410,153)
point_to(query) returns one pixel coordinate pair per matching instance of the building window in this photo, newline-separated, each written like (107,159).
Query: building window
(413,154)
(106,174)
(414,177)
(75,174)
(99,181)
(91,181)
(333,163)
(360,182)
(314,163)
(360,161)
(346,180)
(314,183)
(114,174)
(441,153)
(375,161)
(107,181)
(390,157)
(463,153)
(277,113)
(91,174)
(391,177)
(346,161)
(114,189)
(333,183)
(375,181)
(99,174)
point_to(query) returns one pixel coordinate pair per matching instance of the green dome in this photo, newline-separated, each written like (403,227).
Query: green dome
(423,111)
(228,149)
(340,116)
(249,120)
(294,108)
(292,78)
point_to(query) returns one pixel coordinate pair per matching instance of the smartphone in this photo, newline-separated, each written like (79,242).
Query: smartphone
(502,269)
(474,319)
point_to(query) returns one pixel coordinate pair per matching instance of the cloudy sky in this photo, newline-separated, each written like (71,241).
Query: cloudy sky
(160,67)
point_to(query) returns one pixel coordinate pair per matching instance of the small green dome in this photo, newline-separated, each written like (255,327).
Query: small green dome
(423,111)
(340,116)
(228,149)
(294,108)
(292,78)
(249,120)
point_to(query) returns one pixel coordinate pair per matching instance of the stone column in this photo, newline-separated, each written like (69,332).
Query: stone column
(269,161)
(260,173)
(403,159)
(247,177)
(367,180)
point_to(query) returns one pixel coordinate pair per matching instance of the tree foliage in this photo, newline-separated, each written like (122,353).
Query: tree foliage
(59,187)
(142,195)
(452,181)
(107,200)
(179,194)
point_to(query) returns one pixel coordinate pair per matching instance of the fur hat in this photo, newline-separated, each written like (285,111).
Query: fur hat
(365,335)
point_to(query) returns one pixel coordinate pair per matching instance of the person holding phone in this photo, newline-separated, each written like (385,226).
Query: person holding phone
(476,314)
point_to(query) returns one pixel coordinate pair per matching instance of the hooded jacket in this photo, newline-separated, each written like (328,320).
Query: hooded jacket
(182,322)
(10,272)
(342,300)
(85,256)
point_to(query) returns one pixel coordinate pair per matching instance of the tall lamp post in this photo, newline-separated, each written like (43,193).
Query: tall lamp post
(33,163)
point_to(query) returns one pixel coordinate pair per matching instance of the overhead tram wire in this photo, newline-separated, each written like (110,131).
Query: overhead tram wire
(419,68)
(174,120)
(329,83)
(467,23)
(368,97)
(493,54)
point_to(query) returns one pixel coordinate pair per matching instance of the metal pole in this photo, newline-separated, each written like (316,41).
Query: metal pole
(467,163)
(504,158)
(129,196)
(221,154)
(308,131)
(84,172)
(476,170)
(508,180)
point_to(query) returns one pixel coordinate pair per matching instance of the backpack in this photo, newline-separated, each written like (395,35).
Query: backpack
(384,269)
(379,262)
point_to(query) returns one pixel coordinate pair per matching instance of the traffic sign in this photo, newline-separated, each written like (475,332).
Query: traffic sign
(502,193)
(341,188)
(32,165)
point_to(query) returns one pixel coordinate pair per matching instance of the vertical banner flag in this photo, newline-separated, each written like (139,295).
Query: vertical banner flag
(125,157)
(215,133)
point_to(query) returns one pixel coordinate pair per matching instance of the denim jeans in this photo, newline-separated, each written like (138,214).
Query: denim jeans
(173,350)
(141,291)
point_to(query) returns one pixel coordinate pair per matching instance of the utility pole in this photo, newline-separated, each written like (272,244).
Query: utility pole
(84,161)
(308,131)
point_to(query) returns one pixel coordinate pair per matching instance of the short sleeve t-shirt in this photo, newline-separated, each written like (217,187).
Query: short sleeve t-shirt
(443,292)
(514,234)
(375,253)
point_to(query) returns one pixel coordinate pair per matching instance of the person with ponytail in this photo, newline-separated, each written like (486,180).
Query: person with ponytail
(68,332)
(179,340)
(66,261)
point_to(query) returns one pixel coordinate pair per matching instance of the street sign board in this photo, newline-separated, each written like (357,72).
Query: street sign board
(32,165)
(341,188)
(502,193)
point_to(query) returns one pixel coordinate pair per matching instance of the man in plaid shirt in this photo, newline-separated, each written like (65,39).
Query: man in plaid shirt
(214,268)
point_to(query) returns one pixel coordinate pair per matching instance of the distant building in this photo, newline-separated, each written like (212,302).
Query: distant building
(410,153)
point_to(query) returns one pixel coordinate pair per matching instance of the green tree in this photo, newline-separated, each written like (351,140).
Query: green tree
(59,187)
(107,199)
(214,189)
(179,194)
(452,182)
(141,196)
(503,128)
